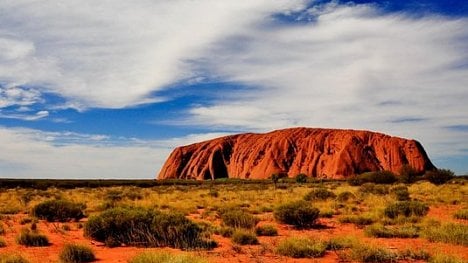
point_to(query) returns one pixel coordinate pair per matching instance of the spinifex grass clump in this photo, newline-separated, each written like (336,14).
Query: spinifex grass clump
(74,253)
(406,209)
(448,233)
(379,230)
(300,247)
(244,237)
(145,227)
(299,214)
(12,258)
(461,214)
(266,230)
(58,211)
(164,257)
(319,194)
(238,218)
(32,239)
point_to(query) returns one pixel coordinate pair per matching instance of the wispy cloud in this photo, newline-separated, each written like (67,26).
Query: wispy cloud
(115,53)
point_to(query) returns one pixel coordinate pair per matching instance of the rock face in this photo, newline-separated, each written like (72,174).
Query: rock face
(321,153)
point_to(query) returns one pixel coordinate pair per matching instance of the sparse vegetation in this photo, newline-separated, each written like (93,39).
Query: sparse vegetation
(461,214)
(75,253)
(439,176)
(370,253)
(299,214)
(298,247)
(380,177)
(379,230)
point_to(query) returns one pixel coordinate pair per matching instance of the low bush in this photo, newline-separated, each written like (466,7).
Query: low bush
(358,220)
(406,209)
(301,178)
(379,230)
(412,254)
(74,253)
(299,247)
(239,219)
(447,233)
(319,194)
(225,231)
(439,176)
(408,175)
(371,188)
(378,177)
(145,227)
(461,214)
(164,257)
(400,193)
(341,242)
(299,214)
(266,230)
(244,237)
(345,196)
(368,253)
(58,211)
(32,239)
(12,258)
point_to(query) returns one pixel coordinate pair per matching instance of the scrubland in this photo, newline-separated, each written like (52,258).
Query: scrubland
(237,221)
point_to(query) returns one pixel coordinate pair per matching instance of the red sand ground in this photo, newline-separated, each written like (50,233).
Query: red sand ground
(225,252)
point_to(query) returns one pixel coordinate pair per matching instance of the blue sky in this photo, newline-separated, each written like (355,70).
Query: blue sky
(107,89)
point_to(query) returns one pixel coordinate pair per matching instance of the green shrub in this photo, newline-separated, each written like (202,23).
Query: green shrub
(447,233)
(371,188)
(406,209)
(244,237)
(358,220)
(378,177)
(299,247)
(299,214)
(239,219)
(12,258)
(461,214)
(32,239)
(144,227)
(301,178)
(74,253)
(341,242)
(319,194)
(439,176)
(164,257)
(368,253)
(379,230)
(58,211)
(407,174)
(266,230)
(345,196)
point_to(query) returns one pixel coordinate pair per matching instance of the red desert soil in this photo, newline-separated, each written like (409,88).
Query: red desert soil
(322,153)
(225,252)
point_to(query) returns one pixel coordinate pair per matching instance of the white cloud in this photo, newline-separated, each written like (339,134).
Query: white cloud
(28,153)
(115,53)
(352,68)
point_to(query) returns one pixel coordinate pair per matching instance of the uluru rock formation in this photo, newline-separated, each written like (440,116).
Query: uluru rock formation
(321,153)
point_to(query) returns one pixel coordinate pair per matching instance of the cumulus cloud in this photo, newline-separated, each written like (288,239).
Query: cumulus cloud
(116,53)
(29,153)
(352,67)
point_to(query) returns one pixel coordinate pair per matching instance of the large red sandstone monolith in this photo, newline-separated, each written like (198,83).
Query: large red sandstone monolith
(321,153)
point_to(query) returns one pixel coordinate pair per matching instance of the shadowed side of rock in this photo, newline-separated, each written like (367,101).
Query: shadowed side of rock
(321,153)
